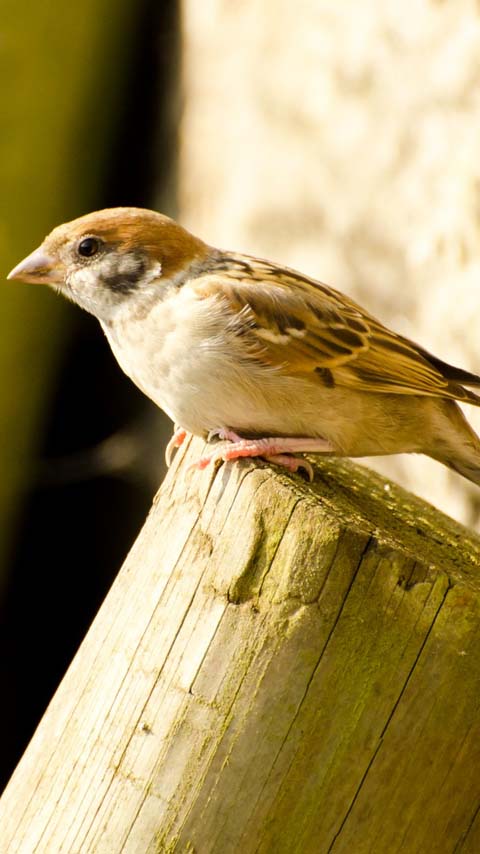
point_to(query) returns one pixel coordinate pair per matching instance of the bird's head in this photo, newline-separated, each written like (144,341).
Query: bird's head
(104,259)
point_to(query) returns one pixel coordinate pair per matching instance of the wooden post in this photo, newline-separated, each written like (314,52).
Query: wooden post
(279,667)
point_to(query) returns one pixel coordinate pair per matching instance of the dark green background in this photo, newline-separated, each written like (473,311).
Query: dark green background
(90,107)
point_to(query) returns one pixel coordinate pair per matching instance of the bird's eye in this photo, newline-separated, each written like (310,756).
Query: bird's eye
(88,247)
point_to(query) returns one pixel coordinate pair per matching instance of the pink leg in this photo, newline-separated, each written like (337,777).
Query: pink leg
(277,450)
(178,438)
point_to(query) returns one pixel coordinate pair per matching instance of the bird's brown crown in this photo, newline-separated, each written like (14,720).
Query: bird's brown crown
(130,229)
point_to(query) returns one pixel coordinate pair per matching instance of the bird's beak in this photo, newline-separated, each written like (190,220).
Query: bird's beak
(39,267)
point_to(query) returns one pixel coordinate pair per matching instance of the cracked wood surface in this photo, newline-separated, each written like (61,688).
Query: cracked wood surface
(279,667)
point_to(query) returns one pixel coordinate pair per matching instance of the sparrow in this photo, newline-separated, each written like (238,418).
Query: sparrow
(269,360)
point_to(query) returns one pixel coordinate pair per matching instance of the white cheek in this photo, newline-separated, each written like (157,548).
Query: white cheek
(82,286)
(153,273)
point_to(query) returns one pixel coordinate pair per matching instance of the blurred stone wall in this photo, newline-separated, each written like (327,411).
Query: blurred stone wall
(344,139)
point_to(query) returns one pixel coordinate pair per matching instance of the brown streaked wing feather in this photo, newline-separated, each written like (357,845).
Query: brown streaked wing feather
(299,325)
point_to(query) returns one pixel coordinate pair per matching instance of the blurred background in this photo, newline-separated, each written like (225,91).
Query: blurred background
(341,139)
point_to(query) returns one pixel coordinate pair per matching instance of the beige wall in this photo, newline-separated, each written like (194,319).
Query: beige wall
(343,138)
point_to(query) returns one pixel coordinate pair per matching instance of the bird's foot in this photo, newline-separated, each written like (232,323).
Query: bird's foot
(278,450)
(178,438)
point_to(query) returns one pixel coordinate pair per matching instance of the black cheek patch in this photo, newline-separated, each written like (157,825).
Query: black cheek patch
(126,275)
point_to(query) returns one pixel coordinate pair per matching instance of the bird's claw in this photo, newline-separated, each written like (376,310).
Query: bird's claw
(178,438)
(277,450)
(238,448)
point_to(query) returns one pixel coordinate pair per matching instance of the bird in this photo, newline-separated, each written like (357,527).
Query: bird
(269,361)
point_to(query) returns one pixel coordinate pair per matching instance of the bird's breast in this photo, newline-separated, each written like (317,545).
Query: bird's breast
(182,356)
(179,356)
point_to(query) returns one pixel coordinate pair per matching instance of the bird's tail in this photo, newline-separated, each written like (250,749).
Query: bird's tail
(459,448)
(467,469)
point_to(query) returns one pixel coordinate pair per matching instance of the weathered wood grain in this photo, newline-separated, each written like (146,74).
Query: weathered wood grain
(279,667)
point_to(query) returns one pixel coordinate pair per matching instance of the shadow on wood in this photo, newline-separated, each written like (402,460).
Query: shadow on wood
(279,667)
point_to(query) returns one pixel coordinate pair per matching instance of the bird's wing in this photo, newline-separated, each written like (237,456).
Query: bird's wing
(298,325)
